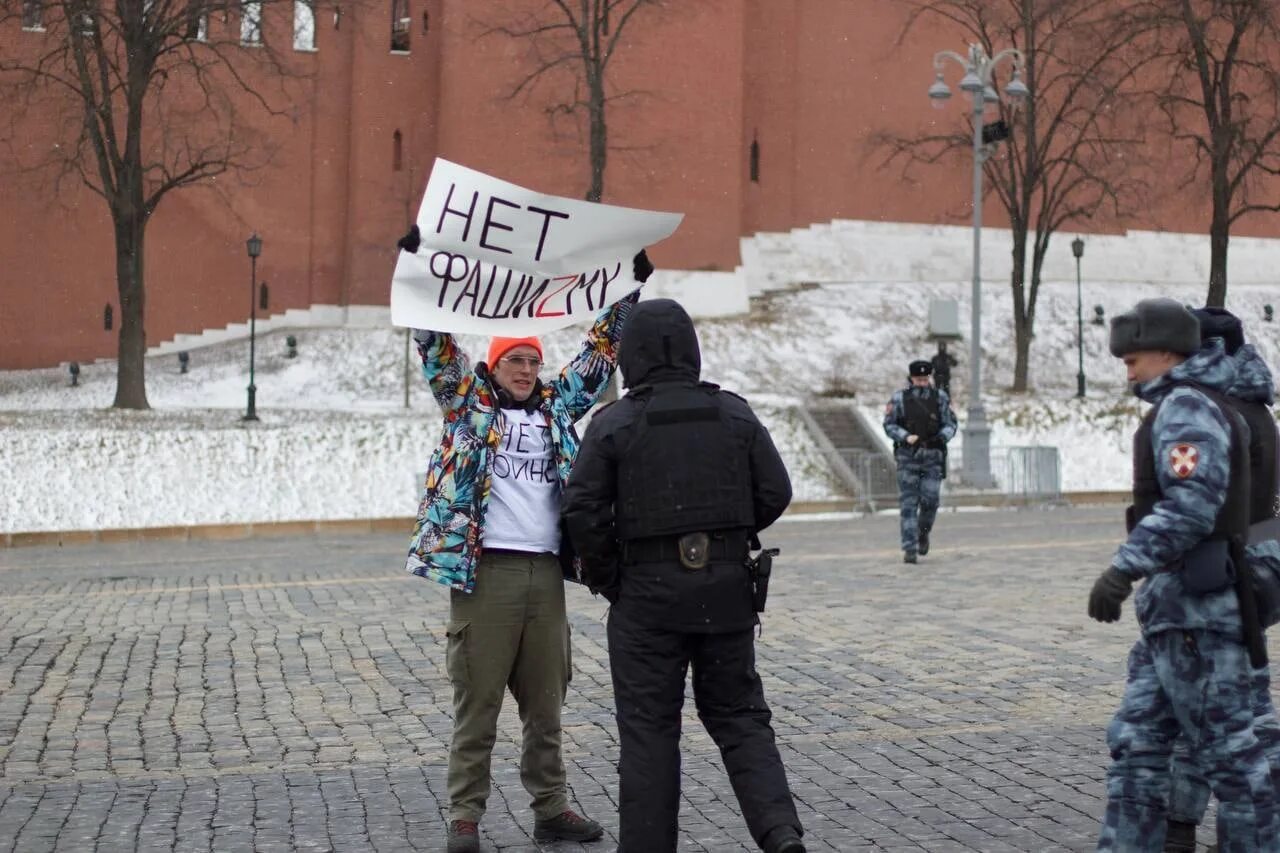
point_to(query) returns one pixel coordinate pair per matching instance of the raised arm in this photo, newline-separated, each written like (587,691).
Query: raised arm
(445,366)
(584,379)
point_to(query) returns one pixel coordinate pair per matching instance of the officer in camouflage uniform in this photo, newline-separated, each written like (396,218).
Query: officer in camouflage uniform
(920,422)
(1251,395)
(670,486)
(1190,671)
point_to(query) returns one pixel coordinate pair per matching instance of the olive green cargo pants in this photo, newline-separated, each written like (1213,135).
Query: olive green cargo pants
(510,633)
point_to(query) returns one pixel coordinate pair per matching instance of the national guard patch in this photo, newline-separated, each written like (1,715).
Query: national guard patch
(1183,459)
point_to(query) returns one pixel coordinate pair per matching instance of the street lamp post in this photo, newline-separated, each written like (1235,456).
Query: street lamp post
(979,84)
(254,246)
(1077,249)
(408,333)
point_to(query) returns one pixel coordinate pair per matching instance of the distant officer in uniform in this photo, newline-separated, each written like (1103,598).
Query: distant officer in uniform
(920,422)
(1190,671)
(942,362)
(671,484)
(1251,395)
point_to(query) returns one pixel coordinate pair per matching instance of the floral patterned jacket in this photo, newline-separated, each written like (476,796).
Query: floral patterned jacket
(447,538)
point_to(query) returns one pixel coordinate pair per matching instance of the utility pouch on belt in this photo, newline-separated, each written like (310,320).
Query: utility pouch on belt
(1208,567)
(695,550)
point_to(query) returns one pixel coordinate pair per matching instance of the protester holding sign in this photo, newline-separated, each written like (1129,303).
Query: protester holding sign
(489,528)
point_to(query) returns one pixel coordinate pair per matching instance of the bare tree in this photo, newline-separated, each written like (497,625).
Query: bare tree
(1219,88)
(1065,157)
(579,37)
(146,99)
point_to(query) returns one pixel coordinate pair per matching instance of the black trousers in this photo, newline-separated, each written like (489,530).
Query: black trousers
(649,666)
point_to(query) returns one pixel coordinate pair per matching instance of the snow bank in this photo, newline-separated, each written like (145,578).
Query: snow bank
(336,440)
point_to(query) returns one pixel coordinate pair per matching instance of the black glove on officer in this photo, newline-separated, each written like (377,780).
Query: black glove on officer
(1109,591)
(411,241)
(641,268)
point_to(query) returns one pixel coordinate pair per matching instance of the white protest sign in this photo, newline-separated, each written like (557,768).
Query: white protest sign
(498,259)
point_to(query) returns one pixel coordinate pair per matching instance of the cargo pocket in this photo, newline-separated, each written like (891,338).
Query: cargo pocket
(455,654)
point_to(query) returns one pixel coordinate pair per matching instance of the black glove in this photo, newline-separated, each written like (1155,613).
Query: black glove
(602,578)
(640,267)
(411,241)
(1110,590)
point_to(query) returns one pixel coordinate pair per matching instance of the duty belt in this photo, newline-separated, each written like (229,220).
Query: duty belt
(661,549)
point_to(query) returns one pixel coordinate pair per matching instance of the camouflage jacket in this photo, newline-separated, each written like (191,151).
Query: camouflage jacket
(447,538)
(895,416)
(1191,443)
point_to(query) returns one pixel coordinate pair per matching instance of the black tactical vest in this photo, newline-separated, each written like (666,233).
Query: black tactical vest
(1262,457)
(682,468)
(921,413)
(1233,517)
(1232,522)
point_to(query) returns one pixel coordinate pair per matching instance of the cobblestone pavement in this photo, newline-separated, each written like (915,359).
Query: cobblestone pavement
(289,694)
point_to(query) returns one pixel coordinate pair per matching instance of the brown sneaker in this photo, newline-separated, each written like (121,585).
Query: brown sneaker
(464,837)
(567,826)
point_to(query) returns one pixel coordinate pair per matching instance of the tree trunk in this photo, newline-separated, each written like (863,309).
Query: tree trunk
(1021,323)
(1040,249)
(599,138)
(131,384)
(1219,235)
(599,155)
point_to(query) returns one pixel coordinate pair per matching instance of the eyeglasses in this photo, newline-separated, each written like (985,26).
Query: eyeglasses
(518,361)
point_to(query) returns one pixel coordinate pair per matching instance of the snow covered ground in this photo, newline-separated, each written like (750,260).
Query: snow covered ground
(336,440)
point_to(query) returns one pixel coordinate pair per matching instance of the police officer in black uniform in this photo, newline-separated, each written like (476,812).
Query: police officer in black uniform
(671,484)
(942,362)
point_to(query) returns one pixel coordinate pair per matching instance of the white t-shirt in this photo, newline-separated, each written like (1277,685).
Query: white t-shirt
(524,498)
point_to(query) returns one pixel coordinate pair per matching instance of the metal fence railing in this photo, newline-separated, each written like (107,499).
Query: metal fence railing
(1021,473)
(876,473)
(1033,472)
(1025,472)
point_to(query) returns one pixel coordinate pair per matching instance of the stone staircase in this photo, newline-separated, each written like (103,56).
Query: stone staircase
(317,316)
(851,251)
(856,455)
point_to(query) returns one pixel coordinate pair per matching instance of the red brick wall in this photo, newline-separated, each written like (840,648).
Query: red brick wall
(809,80)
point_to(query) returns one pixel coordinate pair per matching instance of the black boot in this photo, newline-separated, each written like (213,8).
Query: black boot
(924,542)
(782,839)
(908,556)
(1180,837)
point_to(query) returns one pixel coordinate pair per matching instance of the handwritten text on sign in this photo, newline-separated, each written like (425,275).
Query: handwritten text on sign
(500,259)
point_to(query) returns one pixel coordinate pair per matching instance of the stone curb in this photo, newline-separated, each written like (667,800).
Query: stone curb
(207,532)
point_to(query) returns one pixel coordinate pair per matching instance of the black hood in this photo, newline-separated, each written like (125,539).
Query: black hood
(659,344)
